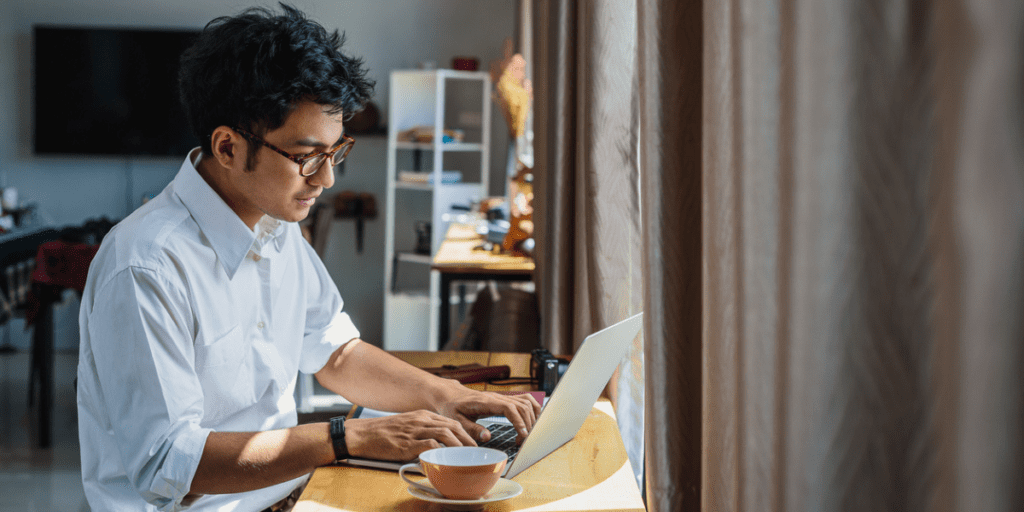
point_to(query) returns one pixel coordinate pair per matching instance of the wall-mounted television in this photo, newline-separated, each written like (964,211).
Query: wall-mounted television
(102,91)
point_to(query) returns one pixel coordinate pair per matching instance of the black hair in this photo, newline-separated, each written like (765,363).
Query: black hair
(250,71)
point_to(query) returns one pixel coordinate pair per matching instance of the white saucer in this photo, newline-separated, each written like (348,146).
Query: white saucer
(502,490)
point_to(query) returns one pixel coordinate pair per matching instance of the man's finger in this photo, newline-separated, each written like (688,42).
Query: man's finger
(418,447)
(512,414)
(459,428)
(478,432)
(444,436)
(467,438)
(527,412)
(533,404)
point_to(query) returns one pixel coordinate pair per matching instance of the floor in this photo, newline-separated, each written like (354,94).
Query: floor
(41,480)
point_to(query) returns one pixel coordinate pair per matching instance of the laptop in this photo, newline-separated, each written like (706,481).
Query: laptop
(564,411)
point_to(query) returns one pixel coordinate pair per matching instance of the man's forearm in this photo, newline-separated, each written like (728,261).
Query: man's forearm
(369,376)
(244,461)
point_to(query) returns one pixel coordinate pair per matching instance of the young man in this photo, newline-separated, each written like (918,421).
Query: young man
(202,306)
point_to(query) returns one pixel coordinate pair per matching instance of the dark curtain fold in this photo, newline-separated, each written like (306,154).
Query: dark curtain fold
(555,113)
(670,72)
(587,194)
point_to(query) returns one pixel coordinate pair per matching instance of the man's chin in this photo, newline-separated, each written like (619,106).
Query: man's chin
(296,216)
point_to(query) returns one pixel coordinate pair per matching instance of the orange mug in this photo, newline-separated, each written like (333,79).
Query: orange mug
(458,472)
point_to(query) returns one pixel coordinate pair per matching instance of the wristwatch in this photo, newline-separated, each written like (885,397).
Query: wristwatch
(338,438)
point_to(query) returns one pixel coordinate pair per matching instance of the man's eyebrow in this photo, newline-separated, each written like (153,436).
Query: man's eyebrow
(311,142)
(315,143)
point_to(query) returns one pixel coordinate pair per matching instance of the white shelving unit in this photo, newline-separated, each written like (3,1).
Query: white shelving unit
(442,99)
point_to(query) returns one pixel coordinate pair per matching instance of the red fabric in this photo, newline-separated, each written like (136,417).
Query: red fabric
(62,264)
(59,265)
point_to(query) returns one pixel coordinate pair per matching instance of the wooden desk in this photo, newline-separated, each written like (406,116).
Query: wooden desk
(457,260)
(590,472)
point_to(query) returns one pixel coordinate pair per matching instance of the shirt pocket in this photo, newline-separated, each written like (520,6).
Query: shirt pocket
(225,371)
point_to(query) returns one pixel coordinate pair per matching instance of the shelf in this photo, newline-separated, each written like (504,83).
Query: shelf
(445,72)
(414,296)
(450,146)
(418,100)
(410,185)
(412,257)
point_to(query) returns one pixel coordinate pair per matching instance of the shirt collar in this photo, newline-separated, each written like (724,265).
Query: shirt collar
(230,238)
(269,228)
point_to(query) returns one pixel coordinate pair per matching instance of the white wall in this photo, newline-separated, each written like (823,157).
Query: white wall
(388,34)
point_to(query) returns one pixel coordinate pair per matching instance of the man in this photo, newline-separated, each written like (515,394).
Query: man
(202,306)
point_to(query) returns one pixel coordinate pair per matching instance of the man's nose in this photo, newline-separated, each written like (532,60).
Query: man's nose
(324,176)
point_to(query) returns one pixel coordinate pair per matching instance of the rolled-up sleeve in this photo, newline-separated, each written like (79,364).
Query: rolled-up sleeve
(327,325)
(142,343)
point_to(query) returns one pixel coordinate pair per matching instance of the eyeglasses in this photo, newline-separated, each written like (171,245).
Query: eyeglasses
(309,163)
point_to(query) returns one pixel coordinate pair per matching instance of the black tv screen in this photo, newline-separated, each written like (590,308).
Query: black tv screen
(109,91)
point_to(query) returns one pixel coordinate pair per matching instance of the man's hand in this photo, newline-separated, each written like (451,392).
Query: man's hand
(469,405)
(366,375)
(403,436)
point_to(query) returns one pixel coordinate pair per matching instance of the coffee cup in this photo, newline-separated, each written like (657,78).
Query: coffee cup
(458,472)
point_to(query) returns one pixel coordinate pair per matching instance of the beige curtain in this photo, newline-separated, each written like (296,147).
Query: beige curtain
(863,200)
(587,199)
(670,74)
(832,242)
(618,149)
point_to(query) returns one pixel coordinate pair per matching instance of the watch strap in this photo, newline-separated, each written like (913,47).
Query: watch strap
(338,437)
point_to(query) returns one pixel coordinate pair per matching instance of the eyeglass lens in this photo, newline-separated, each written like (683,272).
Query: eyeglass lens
(312,165)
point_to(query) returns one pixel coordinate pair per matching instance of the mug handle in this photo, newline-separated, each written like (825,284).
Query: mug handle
(414,465)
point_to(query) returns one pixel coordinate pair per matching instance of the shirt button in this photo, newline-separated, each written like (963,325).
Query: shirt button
(259,325)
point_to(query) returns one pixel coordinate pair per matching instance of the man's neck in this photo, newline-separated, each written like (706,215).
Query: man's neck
(213,173)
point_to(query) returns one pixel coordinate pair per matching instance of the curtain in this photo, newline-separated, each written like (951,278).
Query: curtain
(863,255)
(587,197)
(670,46)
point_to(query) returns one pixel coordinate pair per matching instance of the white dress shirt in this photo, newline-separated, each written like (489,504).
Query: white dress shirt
(190,323)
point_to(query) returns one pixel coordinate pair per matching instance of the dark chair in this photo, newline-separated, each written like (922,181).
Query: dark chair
(508,324)
(23,295)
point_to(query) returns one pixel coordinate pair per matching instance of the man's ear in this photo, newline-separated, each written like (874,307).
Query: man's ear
(228,147)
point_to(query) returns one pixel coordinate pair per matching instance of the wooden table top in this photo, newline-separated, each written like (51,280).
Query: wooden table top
(457,254)
(590,472)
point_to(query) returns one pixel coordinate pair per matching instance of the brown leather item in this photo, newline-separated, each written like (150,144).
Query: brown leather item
(473,372)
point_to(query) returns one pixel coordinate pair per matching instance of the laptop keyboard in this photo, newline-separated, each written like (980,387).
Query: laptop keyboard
(503,437)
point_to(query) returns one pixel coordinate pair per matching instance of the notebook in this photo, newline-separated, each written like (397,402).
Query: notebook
(565,410)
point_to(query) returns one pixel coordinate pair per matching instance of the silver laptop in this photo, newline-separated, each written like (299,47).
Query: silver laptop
(568,406)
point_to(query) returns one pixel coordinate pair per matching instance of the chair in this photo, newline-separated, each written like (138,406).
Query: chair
(500,320)
(17,262)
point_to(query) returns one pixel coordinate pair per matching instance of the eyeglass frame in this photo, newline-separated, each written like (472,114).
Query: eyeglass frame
(346,143)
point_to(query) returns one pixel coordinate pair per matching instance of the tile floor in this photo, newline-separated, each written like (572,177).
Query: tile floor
(33,479)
